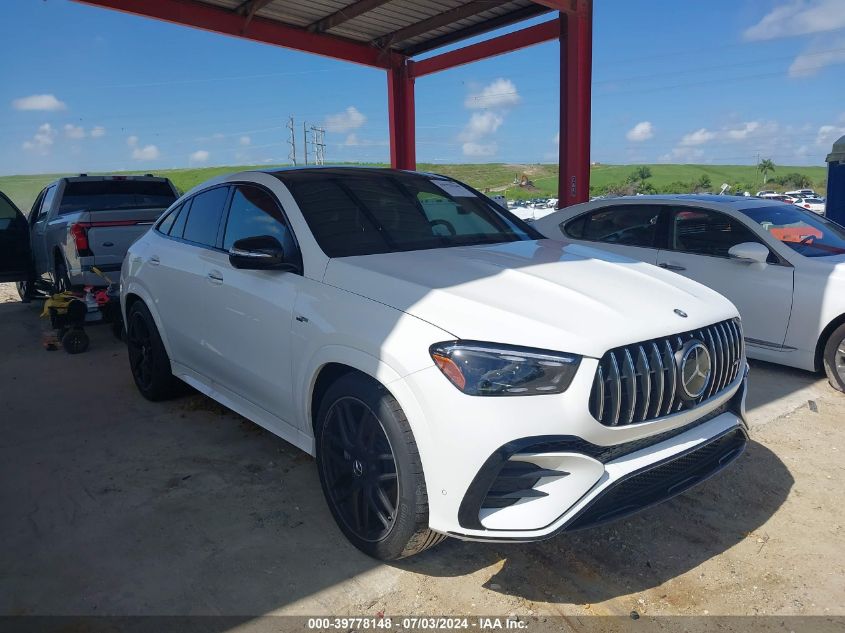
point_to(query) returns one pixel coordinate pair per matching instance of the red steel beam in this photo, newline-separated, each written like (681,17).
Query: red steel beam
(400,105)
(219,20)
(576,71)
(523,38)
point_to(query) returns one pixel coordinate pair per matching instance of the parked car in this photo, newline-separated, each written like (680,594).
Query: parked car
(816,205)
(85,221)
(782,266)
(766,192)
(15,257)
(453,373)
(801,193)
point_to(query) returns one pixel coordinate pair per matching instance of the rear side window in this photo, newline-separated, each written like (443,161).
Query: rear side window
(102,195)
(167,223)
(629,225)
(204,216)
(46,202)
(179,222)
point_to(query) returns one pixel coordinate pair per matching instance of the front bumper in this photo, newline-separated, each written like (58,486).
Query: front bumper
(536,484)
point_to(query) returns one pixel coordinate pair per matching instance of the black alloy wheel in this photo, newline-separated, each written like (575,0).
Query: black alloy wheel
(833,358)
(139,341)
(360,470)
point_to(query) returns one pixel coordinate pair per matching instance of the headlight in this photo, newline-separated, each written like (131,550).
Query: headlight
(489,369)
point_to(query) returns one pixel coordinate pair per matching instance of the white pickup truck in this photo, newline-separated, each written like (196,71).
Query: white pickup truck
(83,222)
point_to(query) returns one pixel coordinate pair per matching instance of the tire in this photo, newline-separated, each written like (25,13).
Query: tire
(148,360)
(24,291)
(834,358)
(370,470)
(61,280)
(75,341)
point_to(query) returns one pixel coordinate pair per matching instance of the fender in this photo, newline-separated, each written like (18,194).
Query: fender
(377,369)
(141,291)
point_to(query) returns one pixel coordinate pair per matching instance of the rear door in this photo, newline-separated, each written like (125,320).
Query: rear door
(15,254)
(632,230)
(38,219)
(699,240)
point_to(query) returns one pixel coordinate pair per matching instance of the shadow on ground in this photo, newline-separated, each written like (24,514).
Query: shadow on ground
(115,505)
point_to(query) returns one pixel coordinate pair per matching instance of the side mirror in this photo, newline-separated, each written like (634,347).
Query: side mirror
(263,252)
(749,252)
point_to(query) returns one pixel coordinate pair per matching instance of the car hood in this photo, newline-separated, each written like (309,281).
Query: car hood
(542,294)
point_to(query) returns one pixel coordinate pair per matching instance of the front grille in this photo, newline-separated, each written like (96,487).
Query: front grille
(661,482)
(639,382)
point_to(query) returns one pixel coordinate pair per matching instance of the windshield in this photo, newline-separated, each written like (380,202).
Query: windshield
(102,195)
(805,232)
(363,212)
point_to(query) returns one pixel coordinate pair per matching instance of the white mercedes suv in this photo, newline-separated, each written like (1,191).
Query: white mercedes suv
(452,372)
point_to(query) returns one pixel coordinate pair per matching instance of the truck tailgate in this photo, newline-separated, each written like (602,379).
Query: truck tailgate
(111,233)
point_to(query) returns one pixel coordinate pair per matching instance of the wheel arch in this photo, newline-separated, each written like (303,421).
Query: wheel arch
(136,293)
(820,344)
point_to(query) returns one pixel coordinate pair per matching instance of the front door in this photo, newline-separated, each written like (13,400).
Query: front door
(699,240)
(15,255)
(44,261)
(251,311)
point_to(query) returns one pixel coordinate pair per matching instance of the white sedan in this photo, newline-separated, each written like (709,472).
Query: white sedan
(452,372)
(816,205)
(782,266)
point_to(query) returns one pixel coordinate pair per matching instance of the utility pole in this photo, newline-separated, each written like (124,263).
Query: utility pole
(292,142)
(305,140)
(318,135)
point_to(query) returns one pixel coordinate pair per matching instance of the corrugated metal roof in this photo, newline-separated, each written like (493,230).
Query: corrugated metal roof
(405,26)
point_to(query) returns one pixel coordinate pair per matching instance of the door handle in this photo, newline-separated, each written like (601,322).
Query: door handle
(154,260)
(215,277)
(673,267)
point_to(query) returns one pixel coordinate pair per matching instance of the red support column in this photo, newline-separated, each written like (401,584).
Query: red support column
(400,100)
(576,73)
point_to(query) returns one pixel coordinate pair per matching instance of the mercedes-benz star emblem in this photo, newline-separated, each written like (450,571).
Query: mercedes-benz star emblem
(694,369)
(681,313)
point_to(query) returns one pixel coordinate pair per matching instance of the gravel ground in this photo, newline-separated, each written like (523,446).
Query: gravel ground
(114,505)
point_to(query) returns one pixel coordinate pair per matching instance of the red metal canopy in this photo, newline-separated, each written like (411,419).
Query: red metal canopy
(387,34)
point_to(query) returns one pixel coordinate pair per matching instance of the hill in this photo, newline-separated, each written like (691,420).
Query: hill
(497,178)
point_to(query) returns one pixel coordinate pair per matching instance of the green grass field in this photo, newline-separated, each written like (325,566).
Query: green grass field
(496,177)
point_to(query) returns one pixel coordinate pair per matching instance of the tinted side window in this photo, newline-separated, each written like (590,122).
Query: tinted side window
(8,214)
(254,212)
(47,201)
(179,223)
(629,225)
(167,223)
(575,229)
(204,216)
(706,232)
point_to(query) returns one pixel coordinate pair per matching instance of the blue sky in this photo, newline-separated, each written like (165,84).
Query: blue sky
(718,81)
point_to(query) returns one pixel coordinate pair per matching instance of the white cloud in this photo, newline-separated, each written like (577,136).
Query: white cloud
(744,131)
(829,134)
(244,141)
(481,124)
(42,140)
(798,17)
(557,138)
(683,155)
(199,156)
(132,141)
(640,132)
(822,52)
(74,131)
(44,103)
(148,152)
(699,137)
(501,93)
(480,150)
(349,119)
(352,140)
(98,131)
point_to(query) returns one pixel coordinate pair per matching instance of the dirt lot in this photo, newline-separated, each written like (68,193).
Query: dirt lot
(115,505)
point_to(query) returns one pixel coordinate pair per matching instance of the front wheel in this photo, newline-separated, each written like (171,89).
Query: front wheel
(834,358)
(370,470)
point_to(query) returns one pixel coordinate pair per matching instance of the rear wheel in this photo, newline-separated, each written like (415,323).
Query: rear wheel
(370,470)
(148,358)
(834,358)
(25,290)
